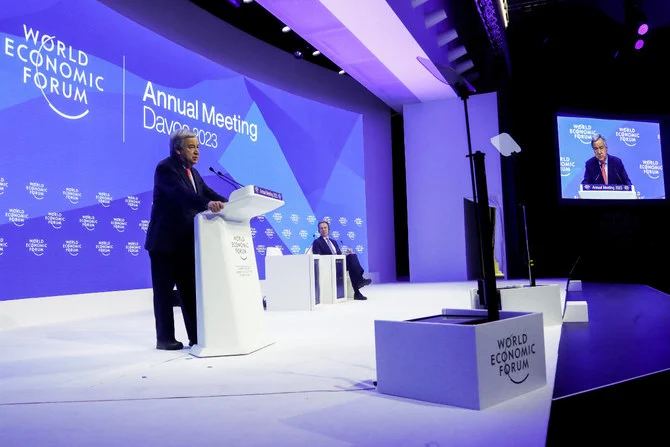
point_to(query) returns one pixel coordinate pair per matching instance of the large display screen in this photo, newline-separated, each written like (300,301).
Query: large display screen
(609,159)
(88,99)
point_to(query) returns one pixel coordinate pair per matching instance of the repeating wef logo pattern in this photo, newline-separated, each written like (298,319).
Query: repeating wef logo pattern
(72,195)
(104,247)
(512,357)
(37,190)
(17,216)
(55,219)
(36,246)
(3,245)
(351,235)
(144,225)
(343,221)
(295,249)
(119,224)
(311,219)
(133,248)
(335,234)
(327,219)
(253,231)
(582,132)
(303,234)
(3,185)
(261,218)
(133,202)
(278,217)
(89,222)
(358,221)
(104,198)
(286,233)
(270,233)
(72,247)
(260,249)
(295,218)
(360,249)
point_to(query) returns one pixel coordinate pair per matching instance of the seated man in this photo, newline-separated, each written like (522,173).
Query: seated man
(324,245)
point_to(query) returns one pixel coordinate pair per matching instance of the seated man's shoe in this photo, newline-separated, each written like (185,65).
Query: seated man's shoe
(360,296)
(191,343)
(364,282)
(169,345)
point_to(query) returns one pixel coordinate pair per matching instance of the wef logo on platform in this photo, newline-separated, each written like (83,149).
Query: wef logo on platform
(62,74)
(513,357)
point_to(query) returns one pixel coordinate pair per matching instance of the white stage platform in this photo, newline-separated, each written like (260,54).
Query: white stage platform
(71,377)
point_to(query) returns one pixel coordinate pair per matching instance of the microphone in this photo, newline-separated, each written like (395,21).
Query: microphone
(231,179)
(226,179)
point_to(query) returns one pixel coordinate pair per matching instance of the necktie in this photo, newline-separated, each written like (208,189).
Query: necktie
(330,245)
(190,177)
(602,170)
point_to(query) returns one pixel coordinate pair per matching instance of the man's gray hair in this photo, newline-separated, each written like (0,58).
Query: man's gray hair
(177,139)
(596,136)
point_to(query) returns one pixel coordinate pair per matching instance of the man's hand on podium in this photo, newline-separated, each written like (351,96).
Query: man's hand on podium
(215,206)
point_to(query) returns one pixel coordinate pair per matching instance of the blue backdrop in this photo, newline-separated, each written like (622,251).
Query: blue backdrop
(87,101)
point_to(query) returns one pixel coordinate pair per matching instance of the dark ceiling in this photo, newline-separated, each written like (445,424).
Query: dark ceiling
(569,46)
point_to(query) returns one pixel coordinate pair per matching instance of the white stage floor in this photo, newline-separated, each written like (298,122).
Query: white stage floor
(98,381)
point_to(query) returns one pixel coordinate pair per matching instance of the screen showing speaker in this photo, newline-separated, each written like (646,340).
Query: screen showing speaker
(603,158)
(88,99)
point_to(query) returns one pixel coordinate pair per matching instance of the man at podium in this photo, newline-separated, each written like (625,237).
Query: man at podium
(179,194)
(324,245)
(604,169)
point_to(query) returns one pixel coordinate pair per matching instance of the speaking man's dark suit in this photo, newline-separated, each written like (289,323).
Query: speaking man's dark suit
(320,247)
(171,246)
(616,172)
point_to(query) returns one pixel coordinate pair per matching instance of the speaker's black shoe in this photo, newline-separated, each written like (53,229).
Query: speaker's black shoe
(364,282)
(169,345)
(360,296)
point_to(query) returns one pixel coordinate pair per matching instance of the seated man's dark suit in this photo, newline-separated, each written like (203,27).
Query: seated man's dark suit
(320,247)
(171,246)
(616,172)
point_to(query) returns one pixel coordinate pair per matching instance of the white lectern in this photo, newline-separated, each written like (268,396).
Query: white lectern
(228,291)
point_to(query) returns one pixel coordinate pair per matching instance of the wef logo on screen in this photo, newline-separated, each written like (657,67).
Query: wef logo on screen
(61,73)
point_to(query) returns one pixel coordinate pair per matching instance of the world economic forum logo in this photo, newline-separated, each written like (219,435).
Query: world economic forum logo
(119,224)
(36,246)
(72,247)
(582,132)
(3,185)
(343,221)
(3,245)
(270,233)
(358,221)
(37,190)
(351,235)
(311,219)
(286,232)
(17,216)
(513,356)
(72,195)
(335,234)
(133,248)
(144,225)
(628,136)
(104,247)
(55,219)
(61,73)
(104,199)
(295,249)
(295,218)
(89,222)
(303,234)
(651,168)
(253,231)
(260,249)
(133,202)
(277,216)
